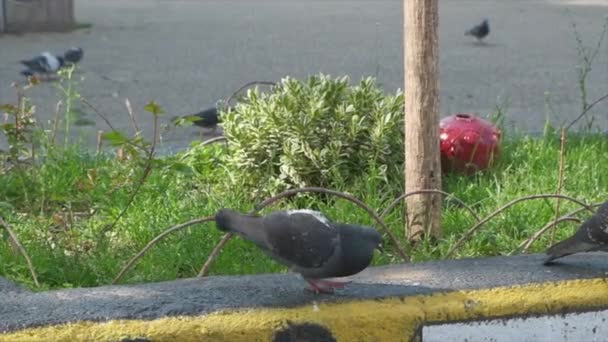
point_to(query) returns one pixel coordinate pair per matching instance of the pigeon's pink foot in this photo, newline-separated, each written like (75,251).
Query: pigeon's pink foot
(316,289)
(333,284)
(325,286)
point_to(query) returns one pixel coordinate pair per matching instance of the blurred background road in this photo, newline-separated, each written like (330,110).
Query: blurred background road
(186,54)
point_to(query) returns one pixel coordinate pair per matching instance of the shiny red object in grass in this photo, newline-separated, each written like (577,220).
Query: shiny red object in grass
(468,143)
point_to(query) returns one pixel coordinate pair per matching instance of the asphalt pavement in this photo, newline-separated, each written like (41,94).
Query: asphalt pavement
(186,54)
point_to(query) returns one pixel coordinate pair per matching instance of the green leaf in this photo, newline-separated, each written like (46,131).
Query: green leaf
(157,163)
(6,207)
(9,108)
(154,108)
(8,126)
(188,120)
(115,138)
(181,168)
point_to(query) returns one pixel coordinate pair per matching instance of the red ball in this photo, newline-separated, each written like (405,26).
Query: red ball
(468,143)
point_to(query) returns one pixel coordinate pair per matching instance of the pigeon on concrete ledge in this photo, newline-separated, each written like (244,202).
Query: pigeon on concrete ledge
(307,242)
(591,236)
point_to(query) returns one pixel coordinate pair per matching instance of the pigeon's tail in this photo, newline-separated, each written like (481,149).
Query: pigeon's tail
(30,64)
(187,120)
(207,118)
(569,246)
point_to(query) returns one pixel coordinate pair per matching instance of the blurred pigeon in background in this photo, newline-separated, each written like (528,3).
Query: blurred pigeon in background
(307,242)
(207,118)
(73,55)
(46,63)
(591,236)
(479,31)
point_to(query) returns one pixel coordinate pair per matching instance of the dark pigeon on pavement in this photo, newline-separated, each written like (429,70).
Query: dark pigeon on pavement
(73,55)
(307,242)
(479,31)
(591,236)
(207,118)
(46,63)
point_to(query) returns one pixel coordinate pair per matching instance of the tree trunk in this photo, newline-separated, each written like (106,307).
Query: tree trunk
(422,156)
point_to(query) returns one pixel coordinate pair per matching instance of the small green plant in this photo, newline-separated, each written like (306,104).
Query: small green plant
(586,57)
(19,127)
(549,129)
(67,86)
(318,132)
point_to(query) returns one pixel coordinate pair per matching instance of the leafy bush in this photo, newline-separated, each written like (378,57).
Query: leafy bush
(321,132)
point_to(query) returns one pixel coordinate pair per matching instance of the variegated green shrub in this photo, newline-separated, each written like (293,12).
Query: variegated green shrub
(318,132)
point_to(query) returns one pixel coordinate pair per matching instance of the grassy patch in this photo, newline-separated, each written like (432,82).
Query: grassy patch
(61,206)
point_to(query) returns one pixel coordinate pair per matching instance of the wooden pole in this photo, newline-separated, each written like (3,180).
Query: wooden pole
(422,155)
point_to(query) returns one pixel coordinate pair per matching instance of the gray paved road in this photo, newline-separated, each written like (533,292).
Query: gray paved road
(186,53)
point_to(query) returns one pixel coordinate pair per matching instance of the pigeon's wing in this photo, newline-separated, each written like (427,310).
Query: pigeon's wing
(602,214)
(480,30)
(477,30)
(51,62)
(300,238)
(597,226)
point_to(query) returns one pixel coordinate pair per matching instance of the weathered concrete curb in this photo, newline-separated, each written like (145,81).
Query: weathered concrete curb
(382,304)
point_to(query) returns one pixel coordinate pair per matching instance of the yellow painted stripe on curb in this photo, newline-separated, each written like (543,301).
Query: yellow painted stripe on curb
(391,319)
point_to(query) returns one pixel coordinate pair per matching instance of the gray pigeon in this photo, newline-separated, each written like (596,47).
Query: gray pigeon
(45,63)
(307,242)
(479,31)
(591,236)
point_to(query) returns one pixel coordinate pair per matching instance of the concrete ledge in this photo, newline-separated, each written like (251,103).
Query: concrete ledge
(391,303)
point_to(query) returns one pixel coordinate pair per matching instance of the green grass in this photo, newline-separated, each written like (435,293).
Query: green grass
(59,207)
